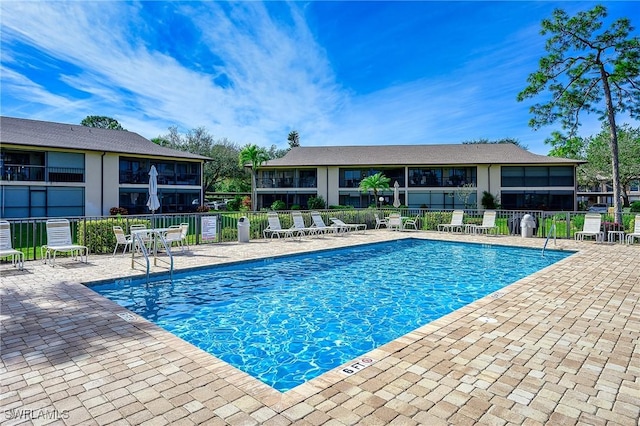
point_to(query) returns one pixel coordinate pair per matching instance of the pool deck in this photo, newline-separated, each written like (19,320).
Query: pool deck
(560,347)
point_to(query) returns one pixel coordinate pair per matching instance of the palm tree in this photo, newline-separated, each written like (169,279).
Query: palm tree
(375,183)
(255,156)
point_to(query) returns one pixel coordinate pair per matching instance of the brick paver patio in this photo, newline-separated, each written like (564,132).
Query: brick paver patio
(564,349)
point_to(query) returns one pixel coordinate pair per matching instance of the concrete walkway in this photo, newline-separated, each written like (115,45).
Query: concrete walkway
(564,350)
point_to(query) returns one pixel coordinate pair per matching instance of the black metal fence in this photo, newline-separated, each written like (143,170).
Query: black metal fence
(29,234)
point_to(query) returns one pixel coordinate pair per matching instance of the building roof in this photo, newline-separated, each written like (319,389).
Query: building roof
(21,131)
(401,155)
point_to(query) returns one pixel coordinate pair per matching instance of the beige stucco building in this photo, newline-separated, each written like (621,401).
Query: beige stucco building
(56,169)
(429,176)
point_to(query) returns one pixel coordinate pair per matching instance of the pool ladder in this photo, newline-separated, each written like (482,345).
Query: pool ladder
(551,230)
(138,243)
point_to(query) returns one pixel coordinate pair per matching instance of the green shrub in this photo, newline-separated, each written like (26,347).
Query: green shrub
(635,207)
(431,220)
(489,201)
(278,205)
(316,203)
(578,222)
(234,205)
(229,234)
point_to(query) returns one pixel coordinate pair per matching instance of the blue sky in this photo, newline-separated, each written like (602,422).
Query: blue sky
(340,73)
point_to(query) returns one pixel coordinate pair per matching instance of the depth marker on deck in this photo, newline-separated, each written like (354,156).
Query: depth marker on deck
(354,367)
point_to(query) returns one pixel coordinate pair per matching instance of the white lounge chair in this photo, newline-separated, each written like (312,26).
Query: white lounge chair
(488,224)
(276,230)
(121,240)
(298,223)
(6,247)
(636,231)
(59,240)
(591,228)
(318,223)
(394,222)
(348,227)
(456,222)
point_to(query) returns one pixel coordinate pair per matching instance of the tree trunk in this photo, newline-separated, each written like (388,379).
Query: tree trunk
(613,143)
(253,190)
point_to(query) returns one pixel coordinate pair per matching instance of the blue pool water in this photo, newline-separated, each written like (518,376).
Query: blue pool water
(287,320)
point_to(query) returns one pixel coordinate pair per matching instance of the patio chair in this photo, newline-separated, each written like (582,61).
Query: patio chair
(298,223)
(380,222)
(121,240)
(394,222)
(6,247)
(411,222)
(185,233)
(59,240)
(143,233)
(348,227)
(636,231)
(318,223)
(173,236)
(276,230)
(456,222)
(591,228)
(488,224)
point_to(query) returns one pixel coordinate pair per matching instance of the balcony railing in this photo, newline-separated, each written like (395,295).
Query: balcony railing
(163,179)
(24,173)
(436,182)
(286,182)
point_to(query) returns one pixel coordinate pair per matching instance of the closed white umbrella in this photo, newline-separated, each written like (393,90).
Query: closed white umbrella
(396,195)
(153,203)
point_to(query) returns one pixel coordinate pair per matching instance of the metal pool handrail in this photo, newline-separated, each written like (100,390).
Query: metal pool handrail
(551,229)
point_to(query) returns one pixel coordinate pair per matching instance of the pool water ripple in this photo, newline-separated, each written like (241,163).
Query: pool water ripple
(288,320)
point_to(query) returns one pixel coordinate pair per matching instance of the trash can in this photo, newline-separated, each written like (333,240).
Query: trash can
(243,230)
(526,225)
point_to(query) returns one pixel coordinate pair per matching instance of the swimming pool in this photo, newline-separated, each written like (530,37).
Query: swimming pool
(287,320)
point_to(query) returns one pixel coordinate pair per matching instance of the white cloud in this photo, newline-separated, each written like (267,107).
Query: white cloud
(276,77)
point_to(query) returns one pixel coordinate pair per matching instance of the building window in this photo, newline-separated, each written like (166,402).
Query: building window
(308,178)
(537,200)
(355,199)
(133,170)
(65,167)
(536,176)
(443,199)
(38,166)
(351,178)
(136,170)
(171,200)
(298,200)
(441,176)
(42,201)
